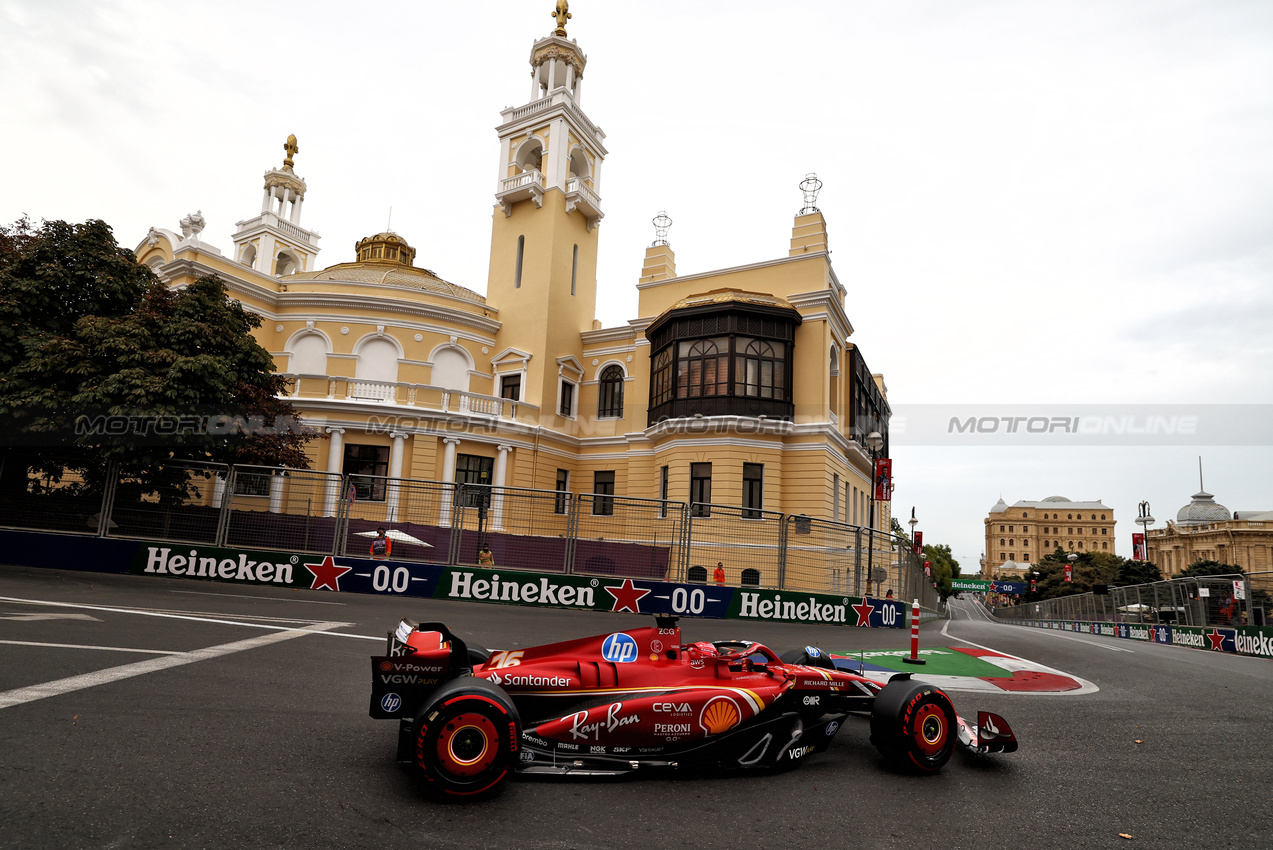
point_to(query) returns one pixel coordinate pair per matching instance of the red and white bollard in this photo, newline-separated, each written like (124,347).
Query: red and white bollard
(914,659)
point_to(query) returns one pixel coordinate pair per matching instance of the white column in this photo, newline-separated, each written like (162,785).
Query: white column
(335,456)
(276,493)
(578,88)
(497,500)
(265,200)
(534,83)
(296,209)
(570,77)
(552,74)
(395,472)
(218,491)
(448,476)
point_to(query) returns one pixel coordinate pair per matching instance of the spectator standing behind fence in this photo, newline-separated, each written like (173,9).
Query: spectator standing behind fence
(719,575)
(381,546)
(485,557)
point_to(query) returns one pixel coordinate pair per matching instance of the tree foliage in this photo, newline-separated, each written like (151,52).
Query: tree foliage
(1210,568)
(87,331)
(944,566)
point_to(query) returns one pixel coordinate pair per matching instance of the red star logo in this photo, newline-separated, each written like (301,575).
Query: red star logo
(627,596)
(864,613)
(327,574)
(1217,641)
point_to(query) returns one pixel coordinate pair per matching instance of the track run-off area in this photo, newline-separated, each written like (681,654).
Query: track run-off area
(143,712)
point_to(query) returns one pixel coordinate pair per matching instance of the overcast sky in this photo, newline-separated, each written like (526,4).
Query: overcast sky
(1061,204)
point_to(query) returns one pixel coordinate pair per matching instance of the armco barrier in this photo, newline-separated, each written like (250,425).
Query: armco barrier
(260,567)
(1240,640)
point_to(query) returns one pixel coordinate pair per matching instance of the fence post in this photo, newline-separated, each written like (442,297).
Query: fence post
(227,497)
(782,551)
(108,499)
(572,537)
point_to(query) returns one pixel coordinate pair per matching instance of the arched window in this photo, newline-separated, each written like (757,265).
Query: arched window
(1001,543)
(751,578)
(610,392)
(704,369)
(760,369)
(309,355)
(285,264)
(697,575)
(661,377)
(450,369)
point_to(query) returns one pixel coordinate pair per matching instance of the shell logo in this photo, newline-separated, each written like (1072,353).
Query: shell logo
(719,715)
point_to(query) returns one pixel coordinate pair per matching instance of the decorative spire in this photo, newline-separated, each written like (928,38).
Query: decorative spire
(292,150)
(811,186)
(661,223)
(562,15)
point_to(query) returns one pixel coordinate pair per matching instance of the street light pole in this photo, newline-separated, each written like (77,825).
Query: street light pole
(873,442)
(1144,520)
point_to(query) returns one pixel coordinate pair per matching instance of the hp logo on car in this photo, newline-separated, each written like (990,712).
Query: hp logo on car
(813,652)
(390,703)
(620,648)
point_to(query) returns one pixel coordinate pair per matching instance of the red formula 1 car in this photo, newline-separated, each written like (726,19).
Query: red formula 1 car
(641,701)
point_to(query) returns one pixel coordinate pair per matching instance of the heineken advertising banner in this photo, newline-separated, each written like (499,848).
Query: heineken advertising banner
(514,587)
(256,567)
(1242,640)
(1015,588)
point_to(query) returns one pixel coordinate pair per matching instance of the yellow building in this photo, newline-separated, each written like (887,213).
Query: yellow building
(736,386)
(1206,531)
(1018,534)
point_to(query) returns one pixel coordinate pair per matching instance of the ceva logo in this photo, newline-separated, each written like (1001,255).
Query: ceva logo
(619,648)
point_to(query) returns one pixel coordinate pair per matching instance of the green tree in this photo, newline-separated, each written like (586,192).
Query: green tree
(1137,572)
(944,566)
(1210,568)
(86,331)
(1090,568)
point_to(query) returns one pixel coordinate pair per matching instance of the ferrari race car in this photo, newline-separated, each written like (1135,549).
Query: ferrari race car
(642,701)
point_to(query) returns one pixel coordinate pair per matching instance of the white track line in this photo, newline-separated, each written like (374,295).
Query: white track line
(84,646)
(19,696)
(144,613)
(245,596)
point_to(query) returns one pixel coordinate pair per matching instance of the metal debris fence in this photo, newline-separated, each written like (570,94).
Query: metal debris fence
(275,508)
(1203,601)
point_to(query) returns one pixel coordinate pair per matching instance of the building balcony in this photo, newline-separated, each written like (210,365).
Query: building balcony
(529,185)
(580,197)
(419,397)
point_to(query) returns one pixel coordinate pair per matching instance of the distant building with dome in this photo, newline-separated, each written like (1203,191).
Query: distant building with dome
(1017,535)
(736,386)
(1205,530)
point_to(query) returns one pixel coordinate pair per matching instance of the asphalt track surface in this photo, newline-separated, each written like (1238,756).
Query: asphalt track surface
(140,712)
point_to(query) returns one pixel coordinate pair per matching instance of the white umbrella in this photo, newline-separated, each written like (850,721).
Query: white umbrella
(395,534)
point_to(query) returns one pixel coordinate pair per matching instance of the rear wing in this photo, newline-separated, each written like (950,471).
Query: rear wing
(419,657)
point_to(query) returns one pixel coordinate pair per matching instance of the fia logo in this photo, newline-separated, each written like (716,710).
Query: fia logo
(390,703)
(619,648)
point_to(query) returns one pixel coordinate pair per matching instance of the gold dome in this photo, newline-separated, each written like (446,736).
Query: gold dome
(387,247)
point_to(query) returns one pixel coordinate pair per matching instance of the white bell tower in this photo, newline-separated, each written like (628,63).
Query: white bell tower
(274,243)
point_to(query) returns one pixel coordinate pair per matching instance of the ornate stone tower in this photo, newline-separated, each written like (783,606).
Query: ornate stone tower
(544,235)
(274,243)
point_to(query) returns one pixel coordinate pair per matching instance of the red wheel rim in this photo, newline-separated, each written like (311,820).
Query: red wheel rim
(467,745)
(930,729)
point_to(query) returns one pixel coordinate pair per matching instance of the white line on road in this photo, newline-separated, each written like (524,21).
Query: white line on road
(245,596)
(8,699)
(145,613)
(84,646)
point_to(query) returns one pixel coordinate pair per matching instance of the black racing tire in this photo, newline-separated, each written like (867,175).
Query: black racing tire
(802,657)
(913,726)
(465,740)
